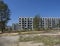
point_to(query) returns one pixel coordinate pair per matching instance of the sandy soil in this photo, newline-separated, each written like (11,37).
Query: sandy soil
(30,44)
(9,40)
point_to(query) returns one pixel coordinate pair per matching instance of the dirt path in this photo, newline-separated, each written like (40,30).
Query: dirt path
(9,40)
(13,40)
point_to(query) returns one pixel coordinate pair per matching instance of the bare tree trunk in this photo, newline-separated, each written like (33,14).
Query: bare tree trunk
(2,28)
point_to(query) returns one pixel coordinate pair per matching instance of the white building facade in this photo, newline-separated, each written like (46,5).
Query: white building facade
(27,23)
(50,22)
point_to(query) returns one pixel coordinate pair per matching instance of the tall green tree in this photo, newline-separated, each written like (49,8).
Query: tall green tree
(4,15)
(36,22)
(58,24)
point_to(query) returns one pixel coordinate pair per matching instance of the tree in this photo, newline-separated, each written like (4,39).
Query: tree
(4,15)
(36,22)
(59,23)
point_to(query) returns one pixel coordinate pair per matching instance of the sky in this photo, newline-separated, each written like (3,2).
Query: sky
(30,8)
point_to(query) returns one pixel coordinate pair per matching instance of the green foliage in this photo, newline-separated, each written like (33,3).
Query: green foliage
(58,25)
(4,15)
(36,22)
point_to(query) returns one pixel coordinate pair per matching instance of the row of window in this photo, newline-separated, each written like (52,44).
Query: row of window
(25,18)
(25,25)
(25,21)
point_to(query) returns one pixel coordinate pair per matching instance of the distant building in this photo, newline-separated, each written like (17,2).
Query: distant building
(15,27)
(50,22)
(26,23)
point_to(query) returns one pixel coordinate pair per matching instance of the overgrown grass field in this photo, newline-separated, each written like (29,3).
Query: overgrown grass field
(47,40)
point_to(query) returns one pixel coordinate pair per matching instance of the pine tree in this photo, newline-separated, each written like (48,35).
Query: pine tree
(4,15)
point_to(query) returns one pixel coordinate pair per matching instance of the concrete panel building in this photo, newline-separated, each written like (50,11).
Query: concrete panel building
(27,23)
(49,22)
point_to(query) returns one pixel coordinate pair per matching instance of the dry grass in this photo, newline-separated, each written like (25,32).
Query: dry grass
(32,32)
(9,34)
(47,40)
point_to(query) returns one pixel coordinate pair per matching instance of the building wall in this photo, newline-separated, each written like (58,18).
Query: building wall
(27,23)
(50,22)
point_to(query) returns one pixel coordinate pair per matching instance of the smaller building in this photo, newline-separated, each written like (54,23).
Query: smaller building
(8,28)
(15,27)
